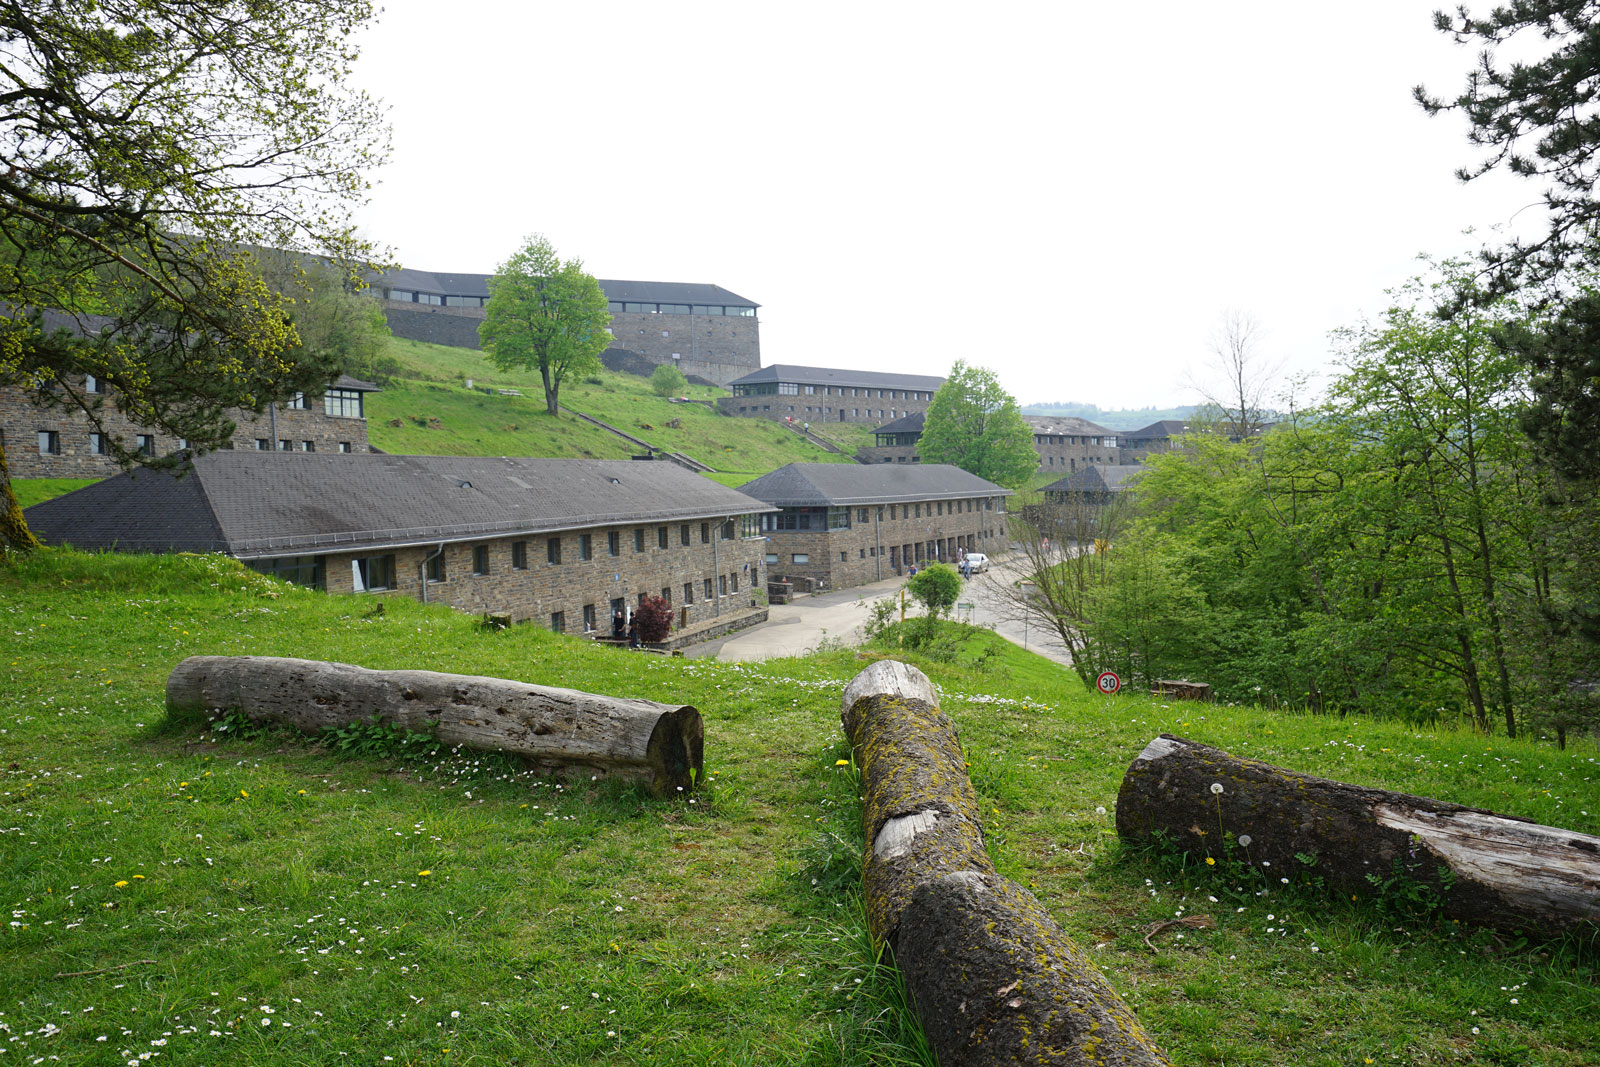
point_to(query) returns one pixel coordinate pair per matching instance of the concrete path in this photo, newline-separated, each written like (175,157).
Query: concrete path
(797,628)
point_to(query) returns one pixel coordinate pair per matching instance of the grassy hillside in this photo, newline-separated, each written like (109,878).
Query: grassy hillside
(31,491)
(272,900)
(438,415)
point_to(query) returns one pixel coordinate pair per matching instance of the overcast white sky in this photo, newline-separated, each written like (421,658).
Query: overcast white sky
(1071,194)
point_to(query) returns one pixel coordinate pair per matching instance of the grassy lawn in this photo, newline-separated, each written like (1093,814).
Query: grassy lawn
(31,491)
(268,899)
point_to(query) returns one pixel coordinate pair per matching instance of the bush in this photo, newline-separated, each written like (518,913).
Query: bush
(668,380)
(937,586)
(654,619)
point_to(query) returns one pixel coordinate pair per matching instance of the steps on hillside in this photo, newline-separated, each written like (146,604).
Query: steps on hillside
(813,436)
(688,462)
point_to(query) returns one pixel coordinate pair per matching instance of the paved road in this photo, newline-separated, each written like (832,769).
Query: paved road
(797,628)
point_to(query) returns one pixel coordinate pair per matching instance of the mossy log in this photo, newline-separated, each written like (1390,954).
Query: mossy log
(993,978)
(1474,865)
(553,730)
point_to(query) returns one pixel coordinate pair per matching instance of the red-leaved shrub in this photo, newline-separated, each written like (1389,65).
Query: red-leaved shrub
(654,619)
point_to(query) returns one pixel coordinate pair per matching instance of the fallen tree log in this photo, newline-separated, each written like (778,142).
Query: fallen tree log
(993,977)
(553,730)
(1471,864)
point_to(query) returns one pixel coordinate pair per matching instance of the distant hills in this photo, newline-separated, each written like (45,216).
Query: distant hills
(1112,418)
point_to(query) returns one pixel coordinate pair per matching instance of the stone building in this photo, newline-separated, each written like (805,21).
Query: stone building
(1064,443)
(61,442)
(560,542)
(705,331)
(848,524)
(825,394)
(1159,436)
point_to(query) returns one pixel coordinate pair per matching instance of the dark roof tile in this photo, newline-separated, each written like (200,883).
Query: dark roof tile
(844,484)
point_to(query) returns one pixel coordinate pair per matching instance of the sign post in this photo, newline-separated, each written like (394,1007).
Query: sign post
(1108,683)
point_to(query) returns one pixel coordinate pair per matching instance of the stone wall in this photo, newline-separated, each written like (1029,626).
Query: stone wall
(454,327)
(883,540)
(21,422)
(534,592)
(828,403)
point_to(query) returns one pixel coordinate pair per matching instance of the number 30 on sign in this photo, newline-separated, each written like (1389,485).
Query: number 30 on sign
(1108,682)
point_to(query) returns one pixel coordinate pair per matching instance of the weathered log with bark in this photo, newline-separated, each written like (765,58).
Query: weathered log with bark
(553,730)
(993,978)
(1476,865)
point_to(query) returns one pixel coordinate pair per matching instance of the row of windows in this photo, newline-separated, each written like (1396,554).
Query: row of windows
(795,389)
(555,550)
(631,307)
(854,413)
(409,296)
(1072,439)
(834,518)
(893,551)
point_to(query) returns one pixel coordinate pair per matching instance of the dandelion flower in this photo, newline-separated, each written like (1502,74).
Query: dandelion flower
(1216,787)
(1210,862)
(121,884)
(841,763)
(423,874)
(243,793)
(1244,840)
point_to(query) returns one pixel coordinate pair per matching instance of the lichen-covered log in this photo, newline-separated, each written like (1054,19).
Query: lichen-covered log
(993,978)
(554,730)
(1477,865)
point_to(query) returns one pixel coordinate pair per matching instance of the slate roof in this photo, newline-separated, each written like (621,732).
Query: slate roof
(1069,425)
(264,504)
(1162,428)
(788,372)
(911,423)
(846,484)
(1110,478)
(448,284)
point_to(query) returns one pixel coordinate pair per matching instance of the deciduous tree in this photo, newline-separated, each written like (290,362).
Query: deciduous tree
(545,314)
(146,147)
(974,424)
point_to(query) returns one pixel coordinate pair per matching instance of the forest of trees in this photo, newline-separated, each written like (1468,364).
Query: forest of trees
(1403,549)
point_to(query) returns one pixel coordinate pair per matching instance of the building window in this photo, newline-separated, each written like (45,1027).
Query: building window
(558,622)
(727,530)
(843,555)
(722,585)
(683,535)
(734,579)
(661,537)
(372,573)
(552,550)
(146,444)
(299,402)
(861,515)
(344,403)
(91,384)
(49,443)
(588,618)
(688,592)
(285,445)
(344,446)
(772,558)
(436,568)
(614,543)
(586,546)
(519,555)
(638,539)
(263,445)
(800,557)
(480,559)
(705,533)
(305,446)
(708,588)
(97,444)
(301,570)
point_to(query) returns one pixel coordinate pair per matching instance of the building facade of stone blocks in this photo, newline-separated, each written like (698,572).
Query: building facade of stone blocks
(1063,444)
(61,441)
(825,394)
(570,581)
(847,525)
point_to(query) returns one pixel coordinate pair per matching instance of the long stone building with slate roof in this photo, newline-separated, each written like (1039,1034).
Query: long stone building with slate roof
(848,524)
(560,542)
(1064,443)
(827,394)
(704,330)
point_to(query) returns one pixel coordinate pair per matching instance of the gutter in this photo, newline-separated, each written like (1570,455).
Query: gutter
(422,569)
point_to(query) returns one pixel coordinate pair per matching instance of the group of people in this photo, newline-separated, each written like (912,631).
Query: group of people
(625,625)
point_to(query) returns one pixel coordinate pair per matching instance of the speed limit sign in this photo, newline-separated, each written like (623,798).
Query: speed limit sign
(1108,682)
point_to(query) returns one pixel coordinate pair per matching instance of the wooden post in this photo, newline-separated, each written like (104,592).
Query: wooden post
(1480,866)
(554,730)
(994,979)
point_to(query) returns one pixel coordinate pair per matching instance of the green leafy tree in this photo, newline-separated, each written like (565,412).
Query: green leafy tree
(145,147)
(668,380)
(1533,112)
(545,314)
(936,587)
(974,424)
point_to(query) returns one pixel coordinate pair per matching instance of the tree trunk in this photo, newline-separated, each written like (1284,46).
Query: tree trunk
(554,730)
(993,978)
(14,533)
(1472,864)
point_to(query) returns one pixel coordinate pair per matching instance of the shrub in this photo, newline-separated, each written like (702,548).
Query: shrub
(668,380)
(937,586)
(654,619)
